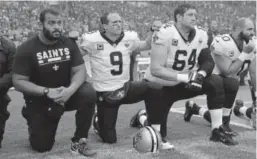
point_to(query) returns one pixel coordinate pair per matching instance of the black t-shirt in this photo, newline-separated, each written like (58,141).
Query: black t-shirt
(47,65)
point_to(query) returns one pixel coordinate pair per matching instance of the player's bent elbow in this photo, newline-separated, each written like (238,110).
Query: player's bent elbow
(17,82)
(155,71)
(17,85)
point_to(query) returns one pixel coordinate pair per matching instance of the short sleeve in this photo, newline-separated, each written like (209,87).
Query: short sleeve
(22,63)
(86,46)
(76,58)
(217,47)
(162,36)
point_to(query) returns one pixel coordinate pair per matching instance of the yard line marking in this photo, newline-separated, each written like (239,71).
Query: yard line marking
(180,111)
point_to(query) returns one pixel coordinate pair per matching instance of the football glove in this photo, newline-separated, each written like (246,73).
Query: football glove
(195,81)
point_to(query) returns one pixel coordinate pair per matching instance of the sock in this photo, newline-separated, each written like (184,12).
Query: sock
(142,119)
(202,111)
(156,127)
(249,112)
(226,111)
(216,118)
(243,110)
(207,116)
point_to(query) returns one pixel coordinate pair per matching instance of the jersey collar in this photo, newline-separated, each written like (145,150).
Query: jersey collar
(190,36)
(240,48)
(110,41)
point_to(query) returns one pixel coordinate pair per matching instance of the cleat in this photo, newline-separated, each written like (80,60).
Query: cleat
(226,126)
(191,109)
(238,105)
(253,118)
(166,145)
(134,122)
(95,124)
(82,148)
(218,135)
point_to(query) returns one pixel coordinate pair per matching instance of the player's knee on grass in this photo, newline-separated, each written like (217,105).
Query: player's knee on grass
(108,136)
(40,143)
(213,88)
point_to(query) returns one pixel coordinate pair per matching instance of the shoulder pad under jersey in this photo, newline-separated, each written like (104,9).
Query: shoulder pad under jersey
(202,34)
(222,45)
(163,35)
(92,36)
(131,35)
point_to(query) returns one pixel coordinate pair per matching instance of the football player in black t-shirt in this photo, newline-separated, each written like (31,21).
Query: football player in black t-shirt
(7,50)
(50,72)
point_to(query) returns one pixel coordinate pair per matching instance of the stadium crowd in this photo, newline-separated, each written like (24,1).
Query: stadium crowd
(19,20)
(185,62)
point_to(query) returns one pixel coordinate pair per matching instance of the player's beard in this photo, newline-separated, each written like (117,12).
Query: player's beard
(49,35)
(245,37)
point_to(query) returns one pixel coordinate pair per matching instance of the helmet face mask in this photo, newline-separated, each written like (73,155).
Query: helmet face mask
(147,140)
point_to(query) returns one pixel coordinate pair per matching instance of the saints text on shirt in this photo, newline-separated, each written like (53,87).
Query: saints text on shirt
(53,56)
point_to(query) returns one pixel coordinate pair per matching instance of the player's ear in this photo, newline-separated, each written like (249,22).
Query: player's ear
(40,23)
(104,26)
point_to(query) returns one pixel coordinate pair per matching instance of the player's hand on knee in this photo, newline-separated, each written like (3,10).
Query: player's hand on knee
(195,81)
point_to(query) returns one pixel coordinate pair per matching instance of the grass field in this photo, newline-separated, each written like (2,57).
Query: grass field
(191,140)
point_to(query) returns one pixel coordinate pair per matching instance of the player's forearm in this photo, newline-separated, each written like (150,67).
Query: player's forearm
(146,44)
(166,74)
(78,78)
(6,81)
(237,64)
(28,87)
(233,68)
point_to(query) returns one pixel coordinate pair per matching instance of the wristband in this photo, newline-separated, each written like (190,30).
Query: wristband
(243,56)
(45,91)
(202,73)
(183,78)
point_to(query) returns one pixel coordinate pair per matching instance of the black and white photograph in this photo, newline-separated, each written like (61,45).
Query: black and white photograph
(127,79)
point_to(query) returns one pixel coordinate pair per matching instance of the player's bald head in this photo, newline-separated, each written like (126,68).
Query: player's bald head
(241,23)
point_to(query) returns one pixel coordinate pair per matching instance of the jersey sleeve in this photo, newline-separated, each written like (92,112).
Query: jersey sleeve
(219,47)
(162,36)
(86,45)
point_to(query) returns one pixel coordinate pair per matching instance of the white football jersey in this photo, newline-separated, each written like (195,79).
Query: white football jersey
(110,62)
(182,56)
(225,45)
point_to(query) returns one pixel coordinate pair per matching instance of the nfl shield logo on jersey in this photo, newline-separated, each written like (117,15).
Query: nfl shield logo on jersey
(127,43)
(174,42)
(99,46)
(155,38)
